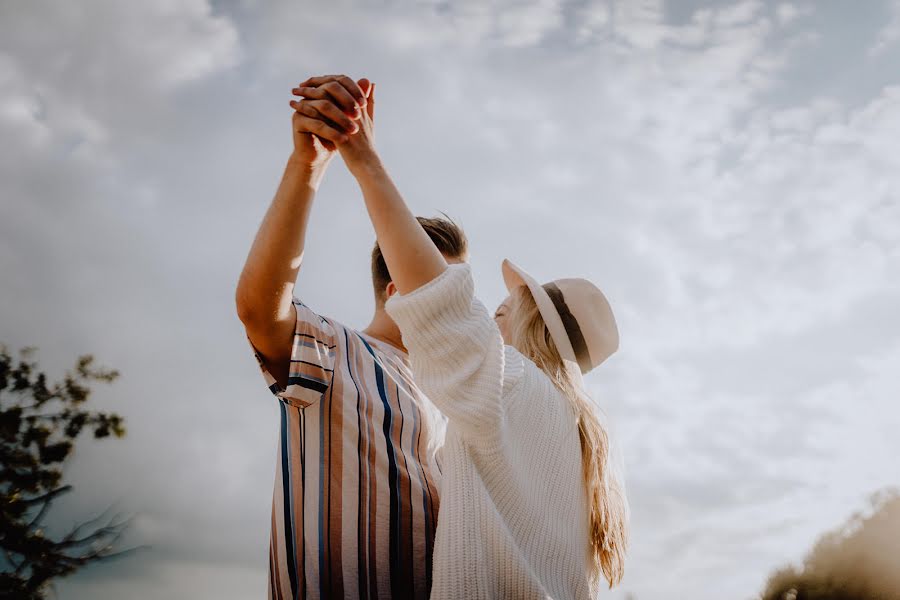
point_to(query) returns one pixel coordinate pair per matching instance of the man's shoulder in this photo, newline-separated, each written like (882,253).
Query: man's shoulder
(307,313)
(344,335)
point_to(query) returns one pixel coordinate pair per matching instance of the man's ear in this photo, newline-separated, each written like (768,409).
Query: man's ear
(390,290)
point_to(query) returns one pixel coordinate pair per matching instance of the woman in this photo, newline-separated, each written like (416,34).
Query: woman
(529,506)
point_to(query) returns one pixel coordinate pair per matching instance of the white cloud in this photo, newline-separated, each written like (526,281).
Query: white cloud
(527,24)
(745,230)
(102,69)
(889,33)
(787,13)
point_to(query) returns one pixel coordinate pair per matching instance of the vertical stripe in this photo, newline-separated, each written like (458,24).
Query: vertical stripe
(394,542)
(353,526)
(362,509)
(430,498)
(335,490)
(302,537)
(422,423)
(372,546)
(274,571)
(323,502)
(426,533)
(296,441)
(291,557)
(312,459)
(427,507)
(405,515)
(276,536)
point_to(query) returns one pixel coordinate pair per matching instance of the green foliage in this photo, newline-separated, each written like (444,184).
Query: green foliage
(39,423)
(859,561)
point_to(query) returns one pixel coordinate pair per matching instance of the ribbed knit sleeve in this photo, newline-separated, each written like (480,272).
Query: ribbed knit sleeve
(456,350)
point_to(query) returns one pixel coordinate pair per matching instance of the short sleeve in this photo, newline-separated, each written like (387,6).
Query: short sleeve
(312,359)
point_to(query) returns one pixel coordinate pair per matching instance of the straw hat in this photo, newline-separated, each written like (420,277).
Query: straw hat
(577,315)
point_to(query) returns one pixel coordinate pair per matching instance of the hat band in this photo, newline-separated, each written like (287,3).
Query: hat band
(570,323)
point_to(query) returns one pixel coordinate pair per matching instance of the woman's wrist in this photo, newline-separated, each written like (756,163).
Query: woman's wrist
(367,168)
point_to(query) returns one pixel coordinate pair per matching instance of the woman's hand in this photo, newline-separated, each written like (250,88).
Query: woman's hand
(358,148)
(326,117)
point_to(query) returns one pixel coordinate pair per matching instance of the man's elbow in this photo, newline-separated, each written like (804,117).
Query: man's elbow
(247,309)
(262,313)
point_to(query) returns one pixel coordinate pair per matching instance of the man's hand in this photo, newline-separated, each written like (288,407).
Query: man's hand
(358,148)
(325,117)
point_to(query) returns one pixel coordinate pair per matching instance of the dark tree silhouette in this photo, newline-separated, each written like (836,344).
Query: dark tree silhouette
(39,424)
(858,561)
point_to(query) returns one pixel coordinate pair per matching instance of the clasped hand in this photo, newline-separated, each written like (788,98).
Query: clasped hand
(336,114)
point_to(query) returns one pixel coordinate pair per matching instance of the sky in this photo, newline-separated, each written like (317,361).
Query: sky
(727,172)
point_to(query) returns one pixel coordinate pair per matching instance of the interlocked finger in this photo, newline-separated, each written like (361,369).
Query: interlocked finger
(321,127)
(325,109)
(347,83)
(333,92)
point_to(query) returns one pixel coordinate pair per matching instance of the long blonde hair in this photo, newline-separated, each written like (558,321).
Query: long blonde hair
(608,507)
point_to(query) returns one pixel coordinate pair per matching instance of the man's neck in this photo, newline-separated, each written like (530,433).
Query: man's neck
(384,329)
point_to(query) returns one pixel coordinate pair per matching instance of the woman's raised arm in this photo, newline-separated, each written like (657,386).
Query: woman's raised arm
(411,257)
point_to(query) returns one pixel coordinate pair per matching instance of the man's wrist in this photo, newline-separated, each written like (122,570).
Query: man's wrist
(310,173)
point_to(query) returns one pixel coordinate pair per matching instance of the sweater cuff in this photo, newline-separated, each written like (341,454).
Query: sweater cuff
(446,298)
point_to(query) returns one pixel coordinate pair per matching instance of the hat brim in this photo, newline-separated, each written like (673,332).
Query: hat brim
(514,276)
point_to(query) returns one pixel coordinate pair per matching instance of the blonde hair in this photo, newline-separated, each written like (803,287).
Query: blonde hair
(608,507)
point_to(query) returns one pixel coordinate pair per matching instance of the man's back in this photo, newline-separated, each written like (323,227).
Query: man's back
(355,503)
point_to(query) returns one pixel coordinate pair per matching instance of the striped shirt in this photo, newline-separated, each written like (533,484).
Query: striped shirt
(355,504)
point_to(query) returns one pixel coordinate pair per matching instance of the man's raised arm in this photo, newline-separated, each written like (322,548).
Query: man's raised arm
(266,286)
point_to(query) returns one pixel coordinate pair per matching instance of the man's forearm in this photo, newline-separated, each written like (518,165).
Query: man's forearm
(265,288)
(411,257)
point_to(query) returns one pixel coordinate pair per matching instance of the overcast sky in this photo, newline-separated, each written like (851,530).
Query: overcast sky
(727,172)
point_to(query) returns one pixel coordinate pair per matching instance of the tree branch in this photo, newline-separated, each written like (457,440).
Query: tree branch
(49,495)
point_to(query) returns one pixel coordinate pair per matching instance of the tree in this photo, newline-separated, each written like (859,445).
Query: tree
(858,561)
(39,424)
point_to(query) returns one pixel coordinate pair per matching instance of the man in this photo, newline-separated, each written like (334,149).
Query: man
(355,502)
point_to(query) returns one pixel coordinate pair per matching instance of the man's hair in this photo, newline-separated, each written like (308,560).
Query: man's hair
(446,235)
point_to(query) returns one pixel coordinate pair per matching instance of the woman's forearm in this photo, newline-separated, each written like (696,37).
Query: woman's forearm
(411,257)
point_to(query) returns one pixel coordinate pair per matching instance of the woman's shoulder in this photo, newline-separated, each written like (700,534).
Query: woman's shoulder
(524,379)
(521,377)
(513,369)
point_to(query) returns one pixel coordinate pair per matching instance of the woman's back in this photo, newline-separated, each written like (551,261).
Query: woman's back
(513,520)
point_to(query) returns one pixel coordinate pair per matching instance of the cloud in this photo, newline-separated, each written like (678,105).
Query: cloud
(889,33)
(738,207)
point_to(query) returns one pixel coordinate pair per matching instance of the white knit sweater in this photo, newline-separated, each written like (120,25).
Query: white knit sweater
(513,516)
